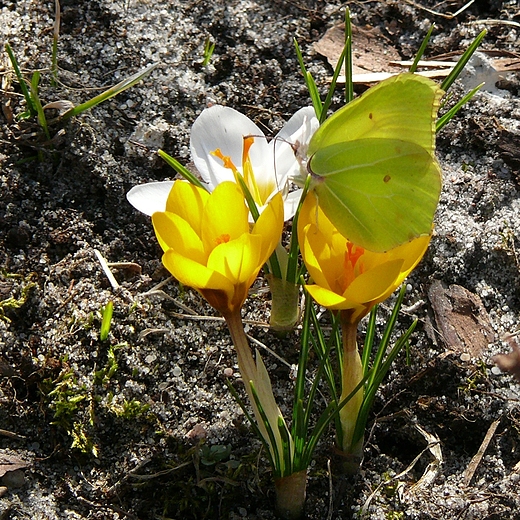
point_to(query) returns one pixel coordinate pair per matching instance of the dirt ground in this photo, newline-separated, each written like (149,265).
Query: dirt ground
(142,425)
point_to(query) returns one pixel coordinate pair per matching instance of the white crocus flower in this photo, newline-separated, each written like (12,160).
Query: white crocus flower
(225,142)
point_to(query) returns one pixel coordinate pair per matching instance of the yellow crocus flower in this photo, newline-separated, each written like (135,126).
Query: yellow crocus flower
(347,277)
(350,280)
(208,243)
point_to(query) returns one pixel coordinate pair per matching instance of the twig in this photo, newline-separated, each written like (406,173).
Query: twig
(448,16)
(12,435)
(331,492)
(106,270)
(475,461)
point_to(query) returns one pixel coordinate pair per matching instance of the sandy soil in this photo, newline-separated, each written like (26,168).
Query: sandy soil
(127,444)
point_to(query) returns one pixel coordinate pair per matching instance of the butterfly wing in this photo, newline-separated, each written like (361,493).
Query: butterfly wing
(378,193)
(387,133)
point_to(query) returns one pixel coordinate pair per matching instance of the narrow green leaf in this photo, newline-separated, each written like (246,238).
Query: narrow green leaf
(454,74)
(35,81)
(181,169)
(110,93)
(349,84)
(23,87)
(422,48)
(446,118)
(106,322)
(330,93)
(286,448)
(369,339)
(311,84)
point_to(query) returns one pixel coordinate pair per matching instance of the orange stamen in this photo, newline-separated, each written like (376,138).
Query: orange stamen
(226,159)
(222,239)
(352,267)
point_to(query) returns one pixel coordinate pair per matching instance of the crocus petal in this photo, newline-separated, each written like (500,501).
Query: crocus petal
(173,232)
(329,299)
(187,201)
(312,262)
(376,284)
(412,252)
(151,197)
(237,260)
(223,128)
(296,132)
(291,202)
(225,216)
(191,273)
(269,226)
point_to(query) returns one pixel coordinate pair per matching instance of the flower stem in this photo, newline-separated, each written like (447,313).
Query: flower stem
(285,309)
(290,495)
(351,449)
(246,363)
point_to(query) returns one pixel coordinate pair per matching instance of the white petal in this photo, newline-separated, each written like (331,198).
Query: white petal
(296,133)
(300,126)
(224,128)
(290,204)
(151,197)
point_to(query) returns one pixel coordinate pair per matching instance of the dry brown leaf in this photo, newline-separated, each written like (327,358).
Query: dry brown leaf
(371,51)
(10,463)
(460,318)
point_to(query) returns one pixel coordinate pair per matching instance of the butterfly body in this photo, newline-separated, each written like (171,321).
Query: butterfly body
(373,166)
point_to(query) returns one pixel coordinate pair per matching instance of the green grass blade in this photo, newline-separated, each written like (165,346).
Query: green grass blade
(23,87)
(286,448)
(349,84)
(385,340)
(370,391)
(276,455)
(446,118)
(35,81)
(106,322)
(422,48)
(181,169)
(311,84)
(299,388)
(369,340)
(251,420)
(325,418)
(110,93)
(454,74)
(209,48)
(330,93)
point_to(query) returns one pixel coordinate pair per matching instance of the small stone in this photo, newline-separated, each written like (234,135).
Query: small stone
(13,479)
(3,491)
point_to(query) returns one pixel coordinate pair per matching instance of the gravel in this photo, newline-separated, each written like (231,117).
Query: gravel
(137,434)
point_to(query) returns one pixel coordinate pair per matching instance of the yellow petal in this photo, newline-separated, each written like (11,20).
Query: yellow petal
(411,252)
(225,216)
(311,213)
(269,226)
(329,299)
(375,284)
(239,259)
(314,251)
(173,232)
(195,275)
(187,201)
